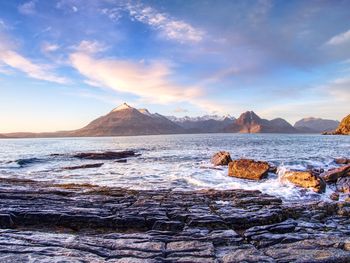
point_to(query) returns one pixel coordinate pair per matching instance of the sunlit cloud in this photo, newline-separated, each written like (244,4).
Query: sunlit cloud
(340,39)
(13,59)
(150,81)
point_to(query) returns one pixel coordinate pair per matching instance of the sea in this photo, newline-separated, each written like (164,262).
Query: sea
(178,162)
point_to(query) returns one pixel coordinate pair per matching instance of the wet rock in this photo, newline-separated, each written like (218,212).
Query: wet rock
(343,184)
(342,161)
(248,169)
(305,179)
(331,176)
(27,161)
(84,166)
(42,222)
(105,155)
(273,169)
(221,158)
(334,196)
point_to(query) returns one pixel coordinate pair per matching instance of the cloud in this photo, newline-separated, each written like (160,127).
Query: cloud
(148,81)
(339,88)
(48,47)
(14,60)
(180,110)
(340,39)
(90,47)
(170,27)
(27,8)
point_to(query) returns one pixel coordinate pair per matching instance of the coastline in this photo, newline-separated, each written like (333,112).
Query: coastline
(75,222)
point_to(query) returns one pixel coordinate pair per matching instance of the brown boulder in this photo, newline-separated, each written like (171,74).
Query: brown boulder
(248,169)
(333,174)
(305,179)
(343,184)
(221,158)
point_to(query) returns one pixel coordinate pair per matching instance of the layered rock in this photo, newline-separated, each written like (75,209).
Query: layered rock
(221,158)
(71,223)
(248,169)
(305,179)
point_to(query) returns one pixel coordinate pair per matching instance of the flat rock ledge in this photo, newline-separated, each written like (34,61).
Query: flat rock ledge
(41,222)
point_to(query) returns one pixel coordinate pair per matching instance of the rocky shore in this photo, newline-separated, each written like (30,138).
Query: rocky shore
(42,222)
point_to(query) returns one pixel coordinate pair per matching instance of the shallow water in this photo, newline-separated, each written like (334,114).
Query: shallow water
(172,161)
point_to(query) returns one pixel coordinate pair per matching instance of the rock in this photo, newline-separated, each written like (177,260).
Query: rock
(334,196)
(45,222)
(331,176)
(342,161)
(273,169)
(105,155)
(344,127)
(85,166)
(248,169)
(221,158)
(305,179)
(343,184)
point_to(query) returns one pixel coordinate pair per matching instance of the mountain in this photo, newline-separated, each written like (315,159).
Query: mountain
(249,122)
(203,124)
(344,126)
(316,125)
(125,120)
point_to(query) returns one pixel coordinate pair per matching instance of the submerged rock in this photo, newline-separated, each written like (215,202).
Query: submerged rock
(105,155)
(331,176)
(84,166)
(248,169)
(305,179)
(221,158)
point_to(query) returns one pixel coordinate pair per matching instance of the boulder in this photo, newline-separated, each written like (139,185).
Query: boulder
(331,176)
(305,179)
(105,155)
(248,169)
(342,161)
(221,158)
(343,184)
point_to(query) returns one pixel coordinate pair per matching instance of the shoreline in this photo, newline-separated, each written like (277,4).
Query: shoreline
(83,222)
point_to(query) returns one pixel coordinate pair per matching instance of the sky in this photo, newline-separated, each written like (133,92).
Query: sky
(65,62)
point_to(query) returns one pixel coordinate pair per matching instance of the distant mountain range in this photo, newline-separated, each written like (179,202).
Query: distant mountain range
(126,121)
(316,125)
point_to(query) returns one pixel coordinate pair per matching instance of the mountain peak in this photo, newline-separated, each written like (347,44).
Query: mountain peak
(145,111)
(123,106)
(248,117)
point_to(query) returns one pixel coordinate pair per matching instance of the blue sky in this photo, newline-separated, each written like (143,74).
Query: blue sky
(66,62)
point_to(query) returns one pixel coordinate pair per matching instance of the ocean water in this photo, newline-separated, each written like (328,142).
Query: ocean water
(173,161)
